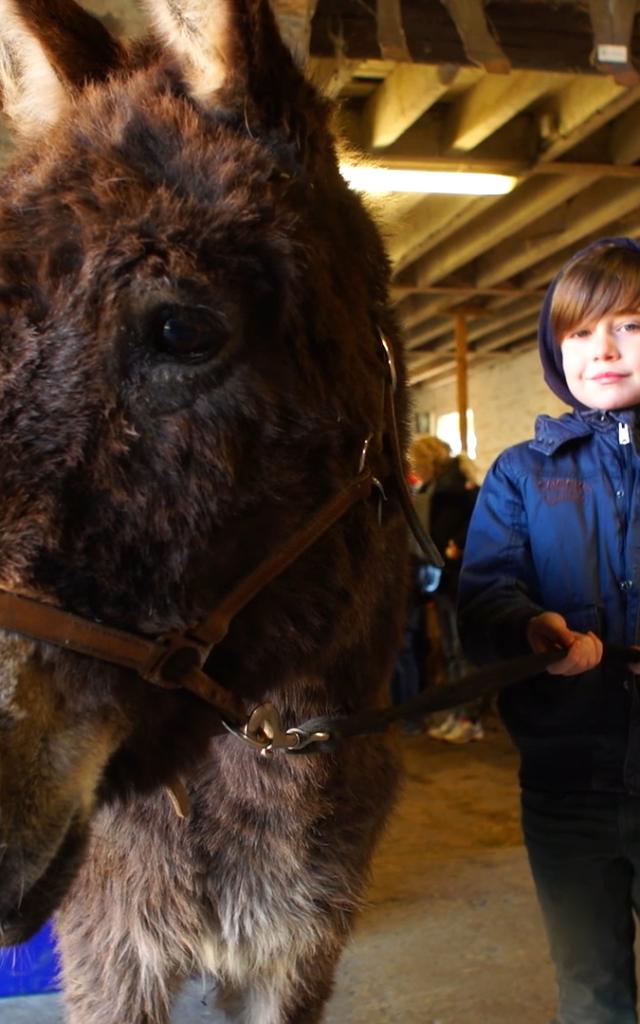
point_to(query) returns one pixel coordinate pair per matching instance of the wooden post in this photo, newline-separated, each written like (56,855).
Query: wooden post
(460,321)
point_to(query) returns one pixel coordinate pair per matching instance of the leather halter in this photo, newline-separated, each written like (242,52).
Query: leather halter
(176,660)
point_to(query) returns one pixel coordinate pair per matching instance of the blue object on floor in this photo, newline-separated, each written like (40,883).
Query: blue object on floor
(30,968)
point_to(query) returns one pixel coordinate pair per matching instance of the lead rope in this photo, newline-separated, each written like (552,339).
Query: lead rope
(324,733)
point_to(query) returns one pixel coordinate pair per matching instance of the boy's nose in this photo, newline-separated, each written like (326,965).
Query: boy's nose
(604,343)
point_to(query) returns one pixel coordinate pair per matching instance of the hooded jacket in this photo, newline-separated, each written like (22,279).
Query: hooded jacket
(557,528)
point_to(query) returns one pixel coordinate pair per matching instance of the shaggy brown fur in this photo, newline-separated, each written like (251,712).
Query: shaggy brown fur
(189,303)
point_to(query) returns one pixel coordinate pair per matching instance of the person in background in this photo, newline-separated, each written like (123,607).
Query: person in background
(451,488)
(410,676)
(552,561)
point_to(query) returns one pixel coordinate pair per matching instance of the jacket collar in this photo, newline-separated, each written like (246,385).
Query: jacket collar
(551,432)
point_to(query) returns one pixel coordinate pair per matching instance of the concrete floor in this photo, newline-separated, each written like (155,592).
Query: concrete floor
(452,934)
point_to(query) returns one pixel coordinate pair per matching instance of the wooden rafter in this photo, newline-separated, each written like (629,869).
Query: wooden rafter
(580,109)
(391,37)
(481,46)
(612,22)
(498,223)
(491,103)
(402,98)
(624,138)
(497,323)
(590,212)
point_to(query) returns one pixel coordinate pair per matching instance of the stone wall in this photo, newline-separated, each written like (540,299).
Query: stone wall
(505,396)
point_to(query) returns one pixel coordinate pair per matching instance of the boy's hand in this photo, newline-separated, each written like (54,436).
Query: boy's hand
(549,630)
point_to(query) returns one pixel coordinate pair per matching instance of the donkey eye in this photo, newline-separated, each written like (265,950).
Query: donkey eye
(189,334)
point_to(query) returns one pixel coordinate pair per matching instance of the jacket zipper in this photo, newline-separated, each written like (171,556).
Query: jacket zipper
(627,584)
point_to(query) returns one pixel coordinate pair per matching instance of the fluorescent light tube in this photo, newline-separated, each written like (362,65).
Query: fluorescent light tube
(377,180)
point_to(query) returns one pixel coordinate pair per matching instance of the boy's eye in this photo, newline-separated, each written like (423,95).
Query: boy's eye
(629,326)
(581,332)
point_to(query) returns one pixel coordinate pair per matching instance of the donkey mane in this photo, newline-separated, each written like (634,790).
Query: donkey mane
(190,301)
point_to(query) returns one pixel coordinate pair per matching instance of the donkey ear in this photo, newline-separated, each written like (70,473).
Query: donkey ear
(78,45)
(227,48)
(46,45)
(32,94)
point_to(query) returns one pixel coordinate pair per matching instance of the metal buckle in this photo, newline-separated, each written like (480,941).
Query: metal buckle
(180,656)
(264,732)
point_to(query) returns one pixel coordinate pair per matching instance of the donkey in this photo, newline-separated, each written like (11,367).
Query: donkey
(191,300)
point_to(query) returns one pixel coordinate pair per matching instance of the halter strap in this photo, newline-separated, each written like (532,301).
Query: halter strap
(175,660)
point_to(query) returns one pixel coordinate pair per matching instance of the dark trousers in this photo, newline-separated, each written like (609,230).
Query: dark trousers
(450,638)
(584,851)
(409,677)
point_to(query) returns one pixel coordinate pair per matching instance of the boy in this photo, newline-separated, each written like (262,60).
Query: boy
(552,559)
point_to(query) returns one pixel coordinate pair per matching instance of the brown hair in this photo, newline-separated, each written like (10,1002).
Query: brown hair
(428,456)
(606,279)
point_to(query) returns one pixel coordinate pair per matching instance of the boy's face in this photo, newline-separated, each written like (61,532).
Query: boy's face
(601,361)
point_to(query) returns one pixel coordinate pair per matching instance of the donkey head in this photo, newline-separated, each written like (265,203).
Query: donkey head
(189,298)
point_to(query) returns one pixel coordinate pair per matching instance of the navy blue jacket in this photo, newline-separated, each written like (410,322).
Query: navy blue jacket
(557,528)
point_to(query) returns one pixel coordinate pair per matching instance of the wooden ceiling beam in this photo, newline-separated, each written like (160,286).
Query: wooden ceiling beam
(330,75)
(505,317)
(613,22)
(494,321)
(483,227)
(403,97)
(500,338)
(452,291)
(510,151)
(427,320)
(431,309)
(431,219)
(421,232)
(480,44)
(589,212)
(434,219)
(422,371)
(392,39)
(578,110)
(439,330)
(586,169)
(491,103)
(548,37)
(541,273)
(411,306)
(505,217)
(624,140)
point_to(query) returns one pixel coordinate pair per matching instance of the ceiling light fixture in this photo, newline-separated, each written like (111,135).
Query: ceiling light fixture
(377,180)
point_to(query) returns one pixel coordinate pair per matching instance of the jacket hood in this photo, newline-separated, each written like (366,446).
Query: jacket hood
(550,353)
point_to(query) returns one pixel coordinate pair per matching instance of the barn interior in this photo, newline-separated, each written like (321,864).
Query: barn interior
(539,100)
